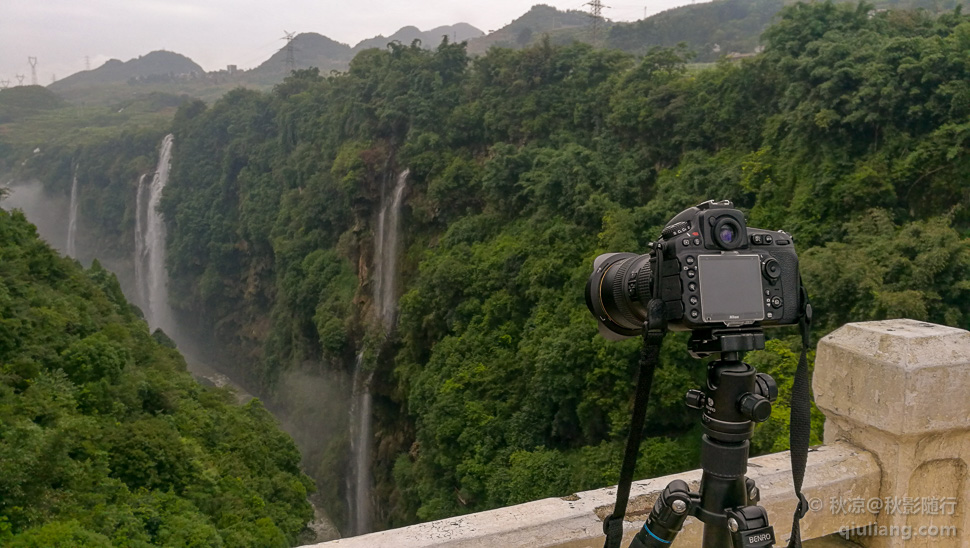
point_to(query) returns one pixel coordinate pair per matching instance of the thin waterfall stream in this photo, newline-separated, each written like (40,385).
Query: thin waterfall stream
(72,219)
(386,248)
(141,249)
(151,278)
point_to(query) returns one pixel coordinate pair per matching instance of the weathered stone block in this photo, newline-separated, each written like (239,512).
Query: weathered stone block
(901,390)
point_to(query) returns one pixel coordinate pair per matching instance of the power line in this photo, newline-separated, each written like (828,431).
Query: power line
(33,69)
(290,59)
(596,17)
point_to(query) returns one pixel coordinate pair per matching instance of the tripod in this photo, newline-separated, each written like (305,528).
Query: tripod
(735,398)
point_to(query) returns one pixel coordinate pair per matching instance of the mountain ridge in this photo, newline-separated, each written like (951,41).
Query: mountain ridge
(721,28)
(155,64)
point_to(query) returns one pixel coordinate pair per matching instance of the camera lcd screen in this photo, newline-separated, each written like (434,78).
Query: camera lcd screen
(730,287)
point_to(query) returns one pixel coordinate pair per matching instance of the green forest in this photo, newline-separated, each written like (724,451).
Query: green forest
(106,440)
(851,131)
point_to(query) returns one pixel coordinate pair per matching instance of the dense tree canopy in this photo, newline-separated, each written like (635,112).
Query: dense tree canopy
(106,440)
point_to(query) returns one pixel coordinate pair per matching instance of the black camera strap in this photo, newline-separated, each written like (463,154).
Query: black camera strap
(654,330)
(800,431)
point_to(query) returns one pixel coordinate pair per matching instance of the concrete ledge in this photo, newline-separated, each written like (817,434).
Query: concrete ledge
(838,471)
(904,377)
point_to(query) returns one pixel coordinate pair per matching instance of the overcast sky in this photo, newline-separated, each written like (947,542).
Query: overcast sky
(64,35)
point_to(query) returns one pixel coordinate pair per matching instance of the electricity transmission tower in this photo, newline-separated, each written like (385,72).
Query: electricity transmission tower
(290,60)
(4,84)
(596,17)
(33,70)
(20,79)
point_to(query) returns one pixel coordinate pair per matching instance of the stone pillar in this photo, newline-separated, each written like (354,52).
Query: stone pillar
(900,389)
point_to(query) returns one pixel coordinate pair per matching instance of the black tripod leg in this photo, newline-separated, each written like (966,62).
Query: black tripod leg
(667,517)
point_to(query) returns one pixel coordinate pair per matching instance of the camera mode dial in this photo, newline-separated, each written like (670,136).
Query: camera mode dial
(675,229)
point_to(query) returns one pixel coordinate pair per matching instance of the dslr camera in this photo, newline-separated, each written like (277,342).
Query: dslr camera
(710,270)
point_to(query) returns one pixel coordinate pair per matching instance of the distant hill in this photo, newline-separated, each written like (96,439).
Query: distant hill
(539,20)
(309,50)
(429,39)
(711,30)
(724,27)
(155,66)
(315,50)
(21,101)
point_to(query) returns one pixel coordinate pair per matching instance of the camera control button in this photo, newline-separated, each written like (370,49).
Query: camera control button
(772,269)
(694,314)
(768,238)
(689,259)
(776,302)
(686,242)
(692,287)
(693,300)
(757,239)
(691,273)
(697,241)
(782,242)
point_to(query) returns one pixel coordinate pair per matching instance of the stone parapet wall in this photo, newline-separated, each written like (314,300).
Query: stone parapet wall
(896,395)
(576,521)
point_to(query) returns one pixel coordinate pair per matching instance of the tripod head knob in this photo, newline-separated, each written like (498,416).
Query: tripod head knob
(766,386)
(696,399)
(755,407)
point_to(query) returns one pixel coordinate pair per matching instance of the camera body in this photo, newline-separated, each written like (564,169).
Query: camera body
(718,272)
(709,269)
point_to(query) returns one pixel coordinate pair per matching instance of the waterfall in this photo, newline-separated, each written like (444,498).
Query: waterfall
(385,254)
(386,244)
(358,482)
(150,245)
(141,250)
(72,220)
(151,278)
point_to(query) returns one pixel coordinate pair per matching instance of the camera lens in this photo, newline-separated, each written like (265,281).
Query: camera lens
(617,293)
(727,233)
